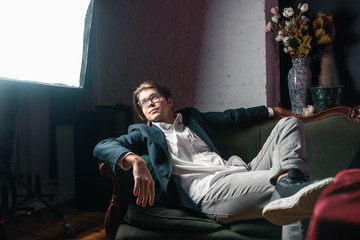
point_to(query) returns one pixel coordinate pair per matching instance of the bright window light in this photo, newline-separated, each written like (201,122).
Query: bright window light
(42,41)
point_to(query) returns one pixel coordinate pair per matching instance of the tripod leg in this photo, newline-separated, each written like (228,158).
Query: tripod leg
(68,231)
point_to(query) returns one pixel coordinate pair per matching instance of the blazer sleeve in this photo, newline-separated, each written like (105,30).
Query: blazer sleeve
(235,117)
(109,150)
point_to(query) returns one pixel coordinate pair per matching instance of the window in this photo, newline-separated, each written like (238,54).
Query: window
(44,41)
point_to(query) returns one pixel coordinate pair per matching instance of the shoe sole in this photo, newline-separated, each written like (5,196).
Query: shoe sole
(296,207)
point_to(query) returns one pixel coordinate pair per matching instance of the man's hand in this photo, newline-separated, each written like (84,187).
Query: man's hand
(144,187)
(278,111)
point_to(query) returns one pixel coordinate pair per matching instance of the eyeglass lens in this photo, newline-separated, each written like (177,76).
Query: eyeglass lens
(153,98)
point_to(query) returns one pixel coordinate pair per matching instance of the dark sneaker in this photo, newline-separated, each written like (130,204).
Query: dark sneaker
(293,200)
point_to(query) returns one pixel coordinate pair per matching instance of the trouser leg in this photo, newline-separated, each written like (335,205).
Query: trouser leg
(243,195)
(283,149)
(238,196)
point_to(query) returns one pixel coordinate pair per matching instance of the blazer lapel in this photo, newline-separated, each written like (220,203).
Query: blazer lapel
(160,137)
(190,123)
(200,131)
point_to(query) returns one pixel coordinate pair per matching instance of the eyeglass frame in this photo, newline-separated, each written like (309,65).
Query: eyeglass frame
(150,99)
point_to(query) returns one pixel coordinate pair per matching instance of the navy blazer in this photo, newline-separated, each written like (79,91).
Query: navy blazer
(150,140)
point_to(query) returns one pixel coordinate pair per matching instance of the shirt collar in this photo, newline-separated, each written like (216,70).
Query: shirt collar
(167,126)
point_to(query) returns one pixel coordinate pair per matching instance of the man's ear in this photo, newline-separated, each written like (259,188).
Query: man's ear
(170,102)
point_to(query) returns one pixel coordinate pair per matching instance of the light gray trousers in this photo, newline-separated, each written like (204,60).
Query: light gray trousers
(243,195)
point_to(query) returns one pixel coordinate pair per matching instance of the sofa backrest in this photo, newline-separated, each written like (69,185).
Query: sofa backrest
(332,140)
(332,143)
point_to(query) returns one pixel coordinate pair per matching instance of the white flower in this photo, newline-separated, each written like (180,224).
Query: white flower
(285,41)
(310,110)
(305,112)
(288,12)
(287,23)
(275,19)
(304,7)
(286,50)
(280,36)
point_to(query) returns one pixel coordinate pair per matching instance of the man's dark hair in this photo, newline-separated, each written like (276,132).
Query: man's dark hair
(164,91)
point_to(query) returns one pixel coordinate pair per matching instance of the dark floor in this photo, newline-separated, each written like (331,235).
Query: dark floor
(45,224)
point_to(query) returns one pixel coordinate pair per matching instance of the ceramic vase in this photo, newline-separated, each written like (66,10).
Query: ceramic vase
(325,97)
(299,82)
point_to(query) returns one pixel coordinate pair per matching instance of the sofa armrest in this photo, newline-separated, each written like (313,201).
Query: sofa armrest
(347,112)
(113,214)
(122,182)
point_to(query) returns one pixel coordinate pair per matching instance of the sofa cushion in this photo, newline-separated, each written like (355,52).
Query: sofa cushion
(127,231)
(168,218)
(163,223)
(257,229)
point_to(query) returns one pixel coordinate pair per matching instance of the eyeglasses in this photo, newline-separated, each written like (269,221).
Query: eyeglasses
(154,98)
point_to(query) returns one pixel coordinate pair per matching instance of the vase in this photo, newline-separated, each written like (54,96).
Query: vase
(325,97)
(326,78)
(299,82)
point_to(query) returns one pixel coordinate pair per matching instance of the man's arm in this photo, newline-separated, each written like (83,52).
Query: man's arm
(110,150)
(144,187)
(279,111)
(234,117)
(114,152)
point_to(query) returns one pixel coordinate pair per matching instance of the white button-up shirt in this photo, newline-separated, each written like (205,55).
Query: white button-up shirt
(194,164)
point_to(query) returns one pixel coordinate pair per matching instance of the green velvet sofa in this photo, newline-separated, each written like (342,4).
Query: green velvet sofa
(333,140)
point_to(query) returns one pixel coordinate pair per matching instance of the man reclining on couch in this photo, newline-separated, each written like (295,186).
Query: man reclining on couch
(197,172)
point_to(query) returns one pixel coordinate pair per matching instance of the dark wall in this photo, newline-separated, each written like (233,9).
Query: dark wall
(346,49)
(142,40)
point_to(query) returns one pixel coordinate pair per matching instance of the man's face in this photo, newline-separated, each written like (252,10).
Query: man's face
(157,112)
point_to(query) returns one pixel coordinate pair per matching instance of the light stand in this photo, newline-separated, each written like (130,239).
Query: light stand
(9,213)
